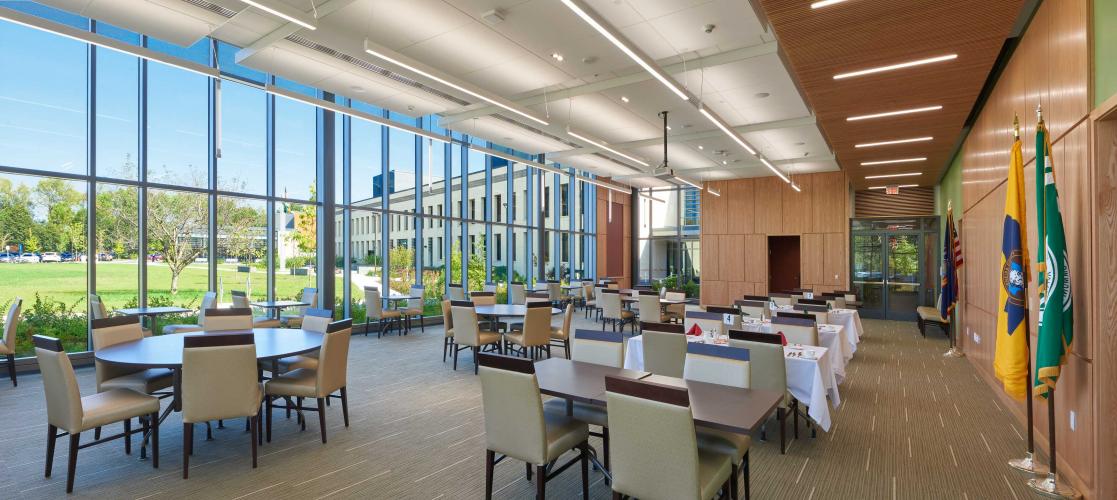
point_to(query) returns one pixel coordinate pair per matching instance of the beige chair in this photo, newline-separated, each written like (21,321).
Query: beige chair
(768,370)
(374,311)
(781,299)
(517,293)
(709,322)
(448,329)
(209,301)
(414,308)
(650,309)
(664,348)
(467,333)
(588,297)
(487,299)
(821,313)
(320,383)
(723,365)
(516,425)
(560,335)
(613,312)
(220,320)
(294,319)
(240,301)
(314,320)
(536,333)
(834,300)
(8,346)
(655,448)
(97,310)
(489,287)
(599,348)
(218,383)
(73,414)
(595,306)
(108,332)
(796,330)
(457,292)
(753,309)
(675,312)
(556,294)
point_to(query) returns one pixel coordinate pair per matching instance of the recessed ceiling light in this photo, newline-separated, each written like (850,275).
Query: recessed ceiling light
(558,57)
(891,67)
(762,95)
(624,99)
(888,176)
(357,88)
(894,113)
(889,162)
(724,162)
(897,141)
(900,186)
(800,143)
(668,127)
(701,147)
(825,3)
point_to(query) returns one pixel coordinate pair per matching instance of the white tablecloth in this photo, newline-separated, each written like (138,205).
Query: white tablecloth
(851,323)
(832,337)
(810,379)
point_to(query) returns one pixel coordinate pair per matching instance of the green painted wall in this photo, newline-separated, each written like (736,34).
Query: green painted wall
(1105,50)
(950,189)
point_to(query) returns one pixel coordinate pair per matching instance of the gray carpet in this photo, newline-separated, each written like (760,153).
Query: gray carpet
(912,425)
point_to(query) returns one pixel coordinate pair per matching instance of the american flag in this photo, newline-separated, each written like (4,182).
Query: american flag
(951,262)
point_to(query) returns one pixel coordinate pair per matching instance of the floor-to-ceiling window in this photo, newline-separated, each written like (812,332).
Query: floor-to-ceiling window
(667,242)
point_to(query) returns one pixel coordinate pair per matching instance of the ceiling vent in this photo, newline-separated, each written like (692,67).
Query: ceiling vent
(495,16)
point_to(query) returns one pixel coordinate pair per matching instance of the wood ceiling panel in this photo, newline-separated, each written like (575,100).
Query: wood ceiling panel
(821,43)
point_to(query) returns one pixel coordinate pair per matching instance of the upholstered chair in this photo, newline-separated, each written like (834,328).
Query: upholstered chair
(374,311)
(599,348)
(314,320)
(219,320)
(675,312)
(108,332)
(664,348)
(467,332)
(594,306)
(414,307)
(318,383)
(516,425)
(8,344)
(560,335)
(588,297)
(650,310)
(724,365)
(781,299)
(796,330)
(240,301)
(209,301)
(654,445)
(613,312)
(73,414)
(448,328)
(517,293)
(457,292)
(487,299)
(219,382)
(294,318)
(821,313)
(768,369)
(753,309)
(536,333)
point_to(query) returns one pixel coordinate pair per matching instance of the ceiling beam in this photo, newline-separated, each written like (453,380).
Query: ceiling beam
(540,96)
(285,30)
(706,134)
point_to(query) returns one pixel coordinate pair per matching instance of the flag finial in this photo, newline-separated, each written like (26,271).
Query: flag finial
(1015,126)
(1039,112)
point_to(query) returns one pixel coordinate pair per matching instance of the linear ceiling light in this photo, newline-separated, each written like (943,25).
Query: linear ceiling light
(774,169)
(711,190)
(104,42)
(372,50)
(592,20)
(687,182)
(607,185)
(891,67)
(285,12)
(889,162)
(888,176)
(825,3)
(897,141)
(893,113)
(607,148)
(796,187)
(900,186)
(724,128)
(337,108)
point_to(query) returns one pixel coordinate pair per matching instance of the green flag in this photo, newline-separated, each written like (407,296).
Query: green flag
(1056,311)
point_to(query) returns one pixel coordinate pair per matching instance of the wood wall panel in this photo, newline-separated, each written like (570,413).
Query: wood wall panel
(608,256)
(812,255)
(739,207)
(756,255)
(796,206)
(769,204)
(711,260)
(1104,141)
(829,207)
(835,266)
(716,205)
(732,257)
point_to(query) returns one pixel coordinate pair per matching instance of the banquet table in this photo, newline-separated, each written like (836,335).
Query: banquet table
(831,337)
(809,377)
(849,319)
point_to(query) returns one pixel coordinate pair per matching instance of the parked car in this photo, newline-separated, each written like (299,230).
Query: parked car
(67,257)
(105,256)
(8,257)
(28,257)
(50,257)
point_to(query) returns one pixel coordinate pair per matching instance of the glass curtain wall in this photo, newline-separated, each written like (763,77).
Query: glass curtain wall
(668,239)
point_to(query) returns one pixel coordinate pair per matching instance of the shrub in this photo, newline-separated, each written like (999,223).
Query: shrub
(52,318)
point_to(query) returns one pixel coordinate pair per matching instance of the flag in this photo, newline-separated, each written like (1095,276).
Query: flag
(951,261)
(1056,311)
(1010,363)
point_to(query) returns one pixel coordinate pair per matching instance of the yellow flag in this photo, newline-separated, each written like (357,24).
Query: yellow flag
(1010,363)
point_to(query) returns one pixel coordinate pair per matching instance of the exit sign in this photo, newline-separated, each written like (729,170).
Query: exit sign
(892,189)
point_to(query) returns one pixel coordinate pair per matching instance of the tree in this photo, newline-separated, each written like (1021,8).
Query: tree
(116,220)
(177,226)
(306,224)
(401,268)
(240,229)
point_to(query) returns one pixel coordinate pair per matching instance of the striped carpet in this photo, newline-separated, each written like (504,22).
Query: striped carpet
(913,425)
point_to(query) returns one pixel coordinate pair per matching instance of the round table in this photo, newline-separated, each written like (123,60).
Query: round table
(507,310)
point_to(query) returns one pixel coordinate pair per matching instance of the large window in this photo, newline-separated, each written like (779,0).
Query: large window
(242,166)
(177,126)
(668,243)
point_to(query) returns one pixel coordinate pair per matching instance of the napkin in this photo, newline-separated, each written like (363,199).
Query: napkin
(695,330)
(783,340)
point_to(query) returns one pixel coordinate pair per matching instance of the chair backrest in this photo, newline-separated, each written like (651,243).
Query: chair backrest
(374,306)
(813,302)
(466,330)
(537,324)
(489,287)
(717,364)
(317,320)
(722,310)
(800,315)
(850,297)
(664,348)
(240,299)
(821,313)
(598,347)
(613,285)
(109,332)
(97,307)
(675,295)
(554,291)
(651,431)
(310,296)
(796,330)
(708,321)
(567,319)
(209,301)
(236,318)
(761,298)
(610,303)
(11,323)
(514,423)
(835,301)
(417,293)
(756,309)
(219,377)
(781,299)
(447,317)
(588,291)
(766,359)
(483,298)
(538,297)
(59,384)
(457,292)
(517,293)
(649,307)
(333,357)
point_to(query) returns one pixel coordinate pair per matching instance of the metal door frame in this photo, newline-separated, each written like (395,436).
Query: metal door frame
(923,236)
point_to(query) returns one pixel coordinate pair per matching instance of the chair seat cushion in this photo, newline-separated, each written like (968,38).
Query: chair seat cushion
(488,337)
(265,322)
(449,332)
(113,406)
(590,414)
(727,443)
(413,311)
(302,382)
(927,313)
(390,314)
(558,333)
(173,329)
(563,433)
(713,470)
(292,363)
(627,314)
(143,381)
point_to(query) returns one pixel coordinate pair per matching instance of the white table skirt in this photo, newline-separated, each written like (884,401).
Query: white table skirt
(851,320)
(808,380)
(829,336)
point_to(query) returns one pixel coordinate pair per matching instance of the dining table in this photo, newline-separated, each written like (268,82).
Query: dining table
(150,313)
(275,306)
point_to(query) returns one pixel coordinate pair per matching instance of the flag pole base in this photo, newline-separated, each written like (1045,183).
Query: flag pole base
(1051,488)
(954,352)
(1028,464)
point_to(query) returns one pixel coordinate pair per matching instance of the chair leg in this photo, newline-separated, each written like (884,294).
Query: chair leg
(445,344)
(745,472)
(605,444)
(795,419)
(475,364)
(52,436)
(187,444)
(584,448)
(566,347)
(322,417)
(72,461)
(12,369)
(128,436)
(154,419)
(617,496)
(781,415)
(254,422)
(268,404)
(733,482)
(299,412)
(456,358)
(541,482)
(490,457)
(345,406)
(97,433)
(528,467)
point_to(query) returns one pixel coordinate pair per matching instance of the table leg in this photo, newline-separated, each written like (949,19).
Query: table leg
(176,405)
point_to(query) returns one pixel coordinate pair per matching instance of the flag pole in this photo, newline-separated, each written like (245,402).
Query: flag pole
(953,351)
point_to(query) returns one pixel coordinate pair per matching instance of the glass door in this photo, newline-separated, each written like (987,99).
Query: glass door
(868,273)
(902,279)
